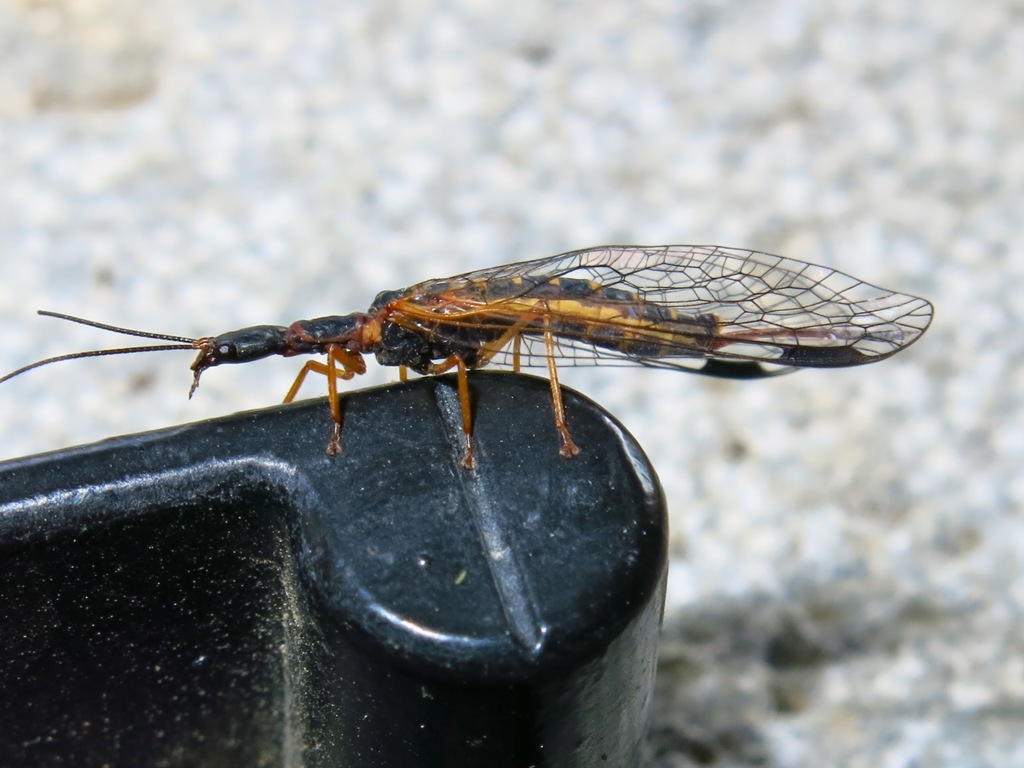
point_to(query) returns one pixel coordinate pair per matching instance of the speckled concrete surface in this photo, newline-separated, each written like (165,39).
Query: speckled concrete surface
(847,582)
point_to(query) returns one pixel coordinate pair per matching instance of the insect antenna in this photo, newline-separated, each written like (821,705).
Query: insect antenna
(183,343)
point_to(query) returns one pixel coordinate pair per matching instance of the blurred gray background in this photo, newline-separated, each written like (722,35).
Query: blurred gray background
(847,580)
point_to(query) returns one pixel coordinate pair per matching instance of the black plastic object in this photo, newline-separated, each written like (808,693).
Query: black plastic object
(226,593)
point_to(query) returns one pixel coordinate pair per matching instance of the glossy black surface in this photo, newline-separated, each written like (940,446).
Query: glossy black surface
(226,593)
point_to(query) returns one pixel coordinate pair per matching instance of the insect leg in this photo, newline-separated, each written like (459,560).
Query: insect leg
(311,365)
(455,361)
(468,458)
(350,364)
(569,448)
(334,445)
(487,352)
(317,367)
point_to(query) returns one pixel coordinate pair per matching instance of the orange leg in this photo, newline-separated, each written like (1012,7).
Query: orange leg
(454,361)
(350,364)
(487,352)
(569,448)
(483,357)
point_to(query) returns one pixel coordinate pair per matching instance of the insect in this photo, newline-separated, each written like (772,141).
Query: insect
(705,309)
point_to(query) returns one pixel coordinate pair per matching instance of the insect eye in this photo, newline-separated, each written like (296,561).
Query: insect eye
(224,349)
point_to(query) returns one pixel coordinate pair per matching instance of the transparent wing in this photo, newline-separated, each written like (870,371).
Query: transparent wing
(575,353)
(648,305)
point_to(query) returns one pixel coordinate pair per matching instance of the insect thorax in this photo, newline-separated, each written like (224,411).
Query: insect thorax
(418,348)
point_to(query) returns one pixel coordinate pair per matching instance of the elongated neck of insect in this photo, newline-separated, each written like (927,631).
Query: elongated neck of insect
(359,332)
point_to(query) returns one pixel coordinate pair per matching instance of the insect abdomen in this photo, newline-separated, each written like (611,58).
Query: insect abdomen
(608,317)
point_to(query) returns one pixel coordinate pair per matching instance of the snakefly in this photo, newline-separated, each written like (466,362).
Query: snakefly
(700,308)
